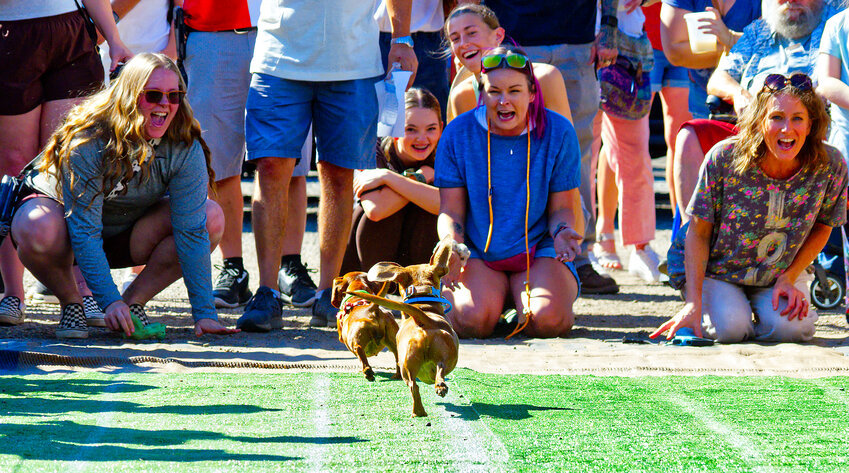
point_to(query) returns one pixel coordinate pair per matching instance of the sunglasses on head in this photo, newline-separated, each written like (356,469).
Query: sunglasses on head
(776,82)
(511,60)
(153,96)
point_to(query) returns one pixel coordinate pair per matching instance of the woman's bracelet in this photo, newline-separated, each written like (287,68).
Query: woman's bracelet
(560,227)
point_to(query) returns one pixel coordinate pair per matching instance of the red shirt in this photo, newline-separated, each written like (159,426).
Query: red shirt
(220,15)
(652,25)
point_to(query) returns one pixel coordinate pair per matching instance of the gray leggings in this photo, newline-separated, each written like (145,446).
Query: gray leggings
(735,313)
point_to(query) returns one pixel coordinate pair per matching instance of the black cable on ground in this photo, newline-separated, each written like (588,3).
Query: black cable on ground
(11,360)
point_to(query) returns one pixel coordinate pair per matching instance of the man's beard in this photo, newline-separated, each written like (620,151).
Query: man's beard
(779,21)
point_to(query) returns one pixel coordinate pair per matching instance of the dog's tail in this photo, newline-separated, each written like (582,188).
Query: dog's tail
(421,317)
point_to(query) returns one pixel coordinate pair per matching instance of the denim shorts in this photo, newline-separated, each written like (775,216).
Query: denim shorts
(544,249)
(343,114)
(664,74)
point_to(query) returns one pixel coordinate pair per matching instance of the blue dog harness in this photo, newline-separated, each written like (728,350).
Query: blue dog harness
(411,297)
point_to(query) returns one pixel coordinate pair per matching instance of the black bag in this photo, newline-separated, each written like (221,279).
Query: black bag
(12,191)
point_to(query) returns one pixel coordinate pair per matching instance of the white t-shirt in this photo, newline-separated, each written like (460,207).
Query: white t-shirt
(310,40)
(425,16)
(13,10)
(630,24)
(144,29)
(834,43)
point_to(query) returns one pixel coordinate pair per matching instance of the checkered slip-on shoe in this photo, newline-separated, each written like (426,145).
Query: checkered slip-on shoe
(94,317)
(11,311)
(72,324)
(138,311)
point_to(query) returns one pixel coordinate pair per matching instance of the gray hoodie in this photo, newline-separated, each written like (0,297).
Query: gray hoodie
(179,173)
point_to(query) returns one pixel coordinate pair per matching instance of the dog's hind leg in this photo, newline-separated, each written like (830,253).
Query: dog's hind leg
(361,355)
(418,407)
(439,384)
(390,343)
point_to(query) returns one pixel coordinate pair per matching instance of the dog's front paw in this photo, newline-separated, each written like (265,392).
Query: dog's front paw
(441,389)
(369,374)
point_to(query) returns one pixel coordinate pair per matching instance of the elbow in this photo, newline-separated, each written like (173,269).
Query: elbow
(375,214)
(674,56)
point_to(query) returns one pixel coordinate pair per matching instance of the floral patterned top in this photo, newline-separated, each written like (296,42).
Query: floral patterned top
(759,223)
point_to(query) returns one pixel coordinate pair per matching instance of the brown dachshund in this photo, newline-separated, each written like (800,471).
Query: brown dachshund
(363,327)
(427,344)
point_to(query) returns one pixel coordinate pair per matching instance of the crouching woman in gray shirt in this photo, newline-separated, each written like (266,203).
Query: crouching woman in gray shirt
(123,182)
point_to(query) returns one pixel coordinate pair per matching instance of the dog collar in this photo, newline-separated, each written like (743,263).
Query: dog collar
(435,296)
(346,306)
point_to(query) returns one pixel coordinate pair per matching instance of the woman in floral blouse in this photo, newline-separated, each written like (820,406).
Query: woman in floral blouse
(764,208)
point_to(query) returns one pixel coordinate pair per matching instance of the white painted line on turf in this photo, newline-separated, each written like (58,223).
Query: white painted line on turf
(741,443)
(317,453)
(474,446)
(103,420)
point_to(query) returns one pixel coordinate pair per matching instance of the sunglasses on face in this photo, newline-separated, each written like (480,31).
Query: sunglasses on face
(511,60)
(154,97)
(776,82)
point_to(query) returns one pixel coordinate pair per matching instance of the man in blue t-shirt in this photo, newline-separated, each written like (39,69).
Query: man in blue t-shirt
(562,33)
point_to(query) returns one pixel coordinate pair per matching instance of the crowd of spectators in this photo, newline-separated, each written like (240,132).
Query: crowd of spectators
(134,152)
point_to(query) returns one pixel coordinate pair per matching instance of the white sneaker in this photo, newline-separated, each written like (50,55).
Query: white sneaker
(643,263)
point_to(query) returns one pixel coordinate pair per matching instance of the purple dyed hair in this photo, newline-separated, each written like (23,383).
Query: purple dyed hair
(536,109)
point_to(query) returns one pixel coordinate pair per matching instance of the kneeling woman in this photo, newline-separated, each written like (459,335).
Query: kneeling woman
(123,182)
(764,207)
(508,173)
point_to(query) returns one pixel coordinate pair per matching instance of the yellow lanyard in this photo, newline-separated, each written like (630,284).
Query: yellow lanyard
(528,312)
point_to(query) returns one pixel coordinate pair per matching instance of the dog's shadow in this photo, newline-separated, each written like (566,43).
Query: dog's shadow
(499,411)
(387,376)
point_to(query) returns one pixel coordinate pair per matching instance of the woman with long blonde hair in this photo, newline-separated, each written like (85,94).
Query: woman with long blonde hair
(764,207)
(124,182)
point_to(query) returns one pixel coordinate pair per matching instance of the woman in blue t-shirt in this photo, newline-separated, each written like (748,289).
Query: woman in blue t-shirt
(508,173)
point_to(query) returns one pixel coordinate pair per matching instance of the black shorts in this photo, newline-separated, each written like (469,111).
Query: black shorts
(116,247)
(46,59)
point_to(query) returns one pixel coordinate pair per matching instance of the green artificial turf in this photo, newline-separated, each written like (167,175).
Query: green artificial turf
(341,422)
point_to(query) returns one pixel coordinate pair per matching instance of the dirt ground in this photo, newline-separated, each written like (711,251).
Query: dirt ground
(594,347)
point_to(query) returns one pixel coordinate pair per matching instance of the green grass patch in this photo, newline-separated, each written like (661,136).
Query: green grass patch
(340,422)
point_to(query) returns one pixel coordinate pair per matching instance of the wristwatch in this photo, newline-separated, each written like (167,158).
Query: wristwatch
(405,40)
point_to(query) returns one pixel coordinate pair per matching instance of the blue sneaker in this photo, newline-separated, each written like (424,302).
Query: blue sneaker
(263,312)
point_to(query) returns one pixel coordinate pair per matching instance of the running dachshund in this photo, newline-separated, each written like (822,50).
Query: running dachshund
(427,344)
(365,328)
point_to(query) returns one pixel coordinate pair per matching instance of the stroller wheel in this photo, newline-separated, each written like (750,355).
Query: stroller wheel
(827,297)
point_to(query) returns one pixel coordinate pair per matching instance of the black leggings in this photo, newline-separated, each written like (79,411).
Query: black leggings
(407,237)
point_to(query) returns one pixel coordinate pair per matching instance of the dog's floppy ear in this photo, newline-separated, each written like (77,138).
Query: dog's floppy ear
(440,258)
(340,285)
(385,271)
